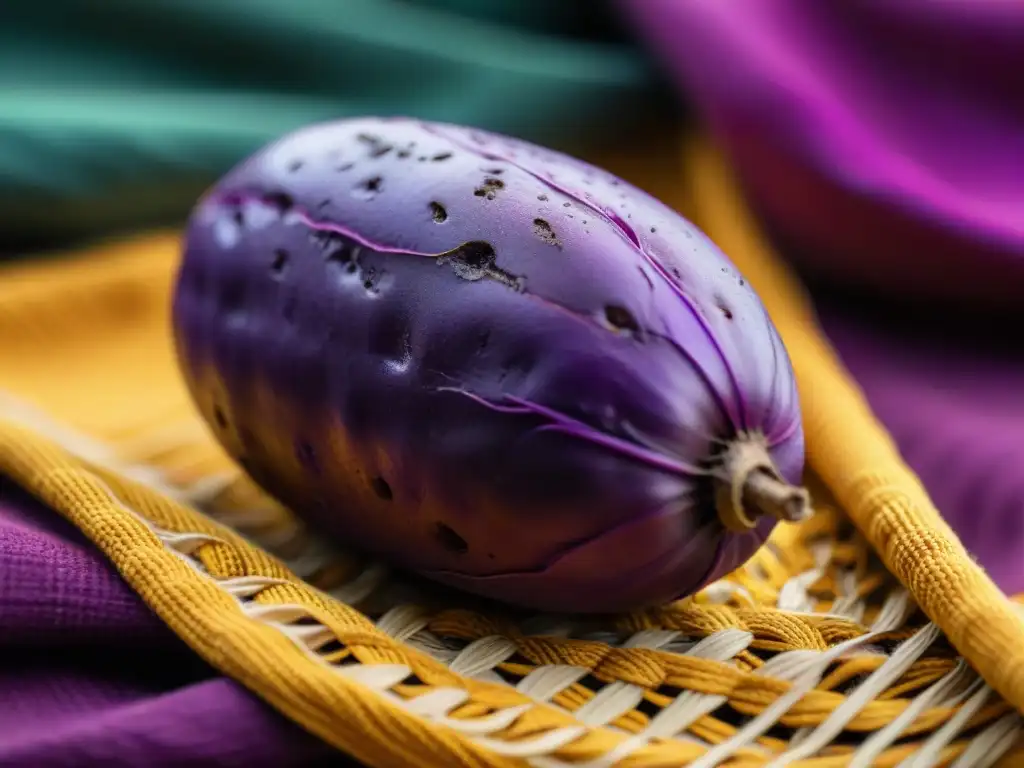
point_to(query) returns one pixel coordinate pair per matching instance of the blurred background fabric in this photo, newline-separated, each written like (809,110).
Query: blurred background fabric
(117,114)
(883,142)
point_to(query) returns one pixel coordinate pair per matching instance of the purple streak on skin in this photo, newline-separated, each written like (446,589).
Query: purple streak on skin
(568,426)
(239,198)
(780,437)
(629,234)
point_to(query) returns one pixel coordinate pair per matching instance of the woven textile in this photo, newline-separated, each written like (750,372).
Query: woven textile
(865,636)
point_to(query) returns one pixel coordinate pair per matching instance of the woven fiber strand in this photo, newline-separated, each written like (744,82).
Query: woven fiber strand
(813,654)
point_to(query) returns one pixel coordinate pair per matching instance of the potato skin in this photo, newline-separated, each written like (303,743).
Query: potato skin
(484,361)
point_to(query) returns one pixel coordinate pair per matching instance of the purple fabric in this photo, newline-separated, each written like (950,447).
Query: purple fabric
(883,140)
(883,145)
(89,676)
(959,426)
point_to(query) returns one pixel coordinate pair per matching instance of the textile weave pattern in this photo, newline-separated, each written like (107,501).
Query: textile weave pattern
(816,653)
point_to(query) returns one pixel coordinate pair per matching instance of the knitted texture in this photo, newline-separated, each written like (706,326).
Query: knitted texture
(865,636)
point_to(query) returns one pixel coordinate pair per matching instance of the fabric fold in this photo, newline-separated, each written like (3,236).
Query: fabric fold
(882,142)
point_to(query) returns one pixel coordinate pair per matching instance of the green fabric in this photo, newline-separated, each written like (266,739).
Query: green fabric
(117,113)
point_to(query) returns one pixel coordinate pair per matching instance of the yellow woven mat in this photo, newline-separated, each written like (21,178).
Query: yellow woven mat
(813,654)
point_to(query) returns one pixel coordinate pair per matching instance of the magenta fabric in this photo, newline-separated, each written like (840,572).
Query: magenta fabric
(89,676)
(882,144)
(957,414)
(882,140)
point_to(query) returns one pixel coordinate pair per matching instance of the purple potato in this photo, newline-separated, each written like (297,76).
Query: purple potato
(488,363)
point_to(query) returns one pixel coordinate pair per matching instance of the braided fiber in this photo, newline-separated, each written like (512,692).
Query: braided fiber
(814,654)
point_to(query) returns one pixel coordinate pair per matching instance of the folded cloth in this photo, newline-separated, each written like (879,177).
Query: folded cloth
(882,141)
(90,676)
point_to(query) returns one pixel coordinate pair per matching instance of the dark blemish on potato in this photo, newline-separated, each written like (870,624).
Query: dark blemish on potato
(295,165)
(238,217)
(342,254)
(742,282)
(369,187)
(678,275)
(474,255)
(381,488)
(567,205)
(378,147)
(345,167)
(476,260)
(489,188)
(724,310)
(441,156)
(219,418)
(282,201)
(438,212)
(543,230)
(621,319)
(325,203)
(450,540)
(404,153)
(335,248)
(372,279)
(494,171)
(542,198)
(280,261)
(338,255)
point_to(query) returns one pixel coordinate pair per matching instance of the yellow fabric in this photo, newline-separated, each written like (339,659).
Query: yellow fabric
(84,341)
